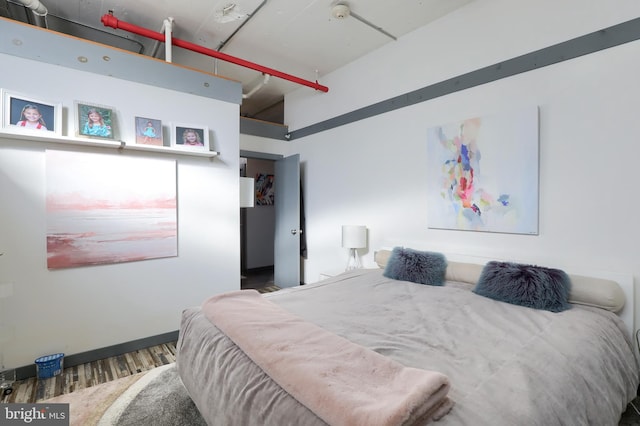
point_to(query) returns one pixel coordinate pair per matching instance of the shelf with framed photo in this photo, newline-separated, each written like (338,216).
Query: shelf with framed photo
(24,117)
(70,140)
(171,150)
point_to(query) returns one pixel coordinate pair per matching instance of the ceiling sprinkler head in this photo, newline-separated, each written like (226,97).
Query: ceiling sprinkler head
(229,13)
(228,8)
(340,11)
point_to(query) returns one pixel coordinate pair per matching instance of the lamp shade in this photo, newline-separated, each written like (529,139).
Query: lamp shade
(247,192)
(354,236)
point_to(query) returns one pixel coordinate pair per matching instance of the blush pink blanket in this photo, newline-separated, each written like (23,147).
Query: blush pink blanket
(341,382)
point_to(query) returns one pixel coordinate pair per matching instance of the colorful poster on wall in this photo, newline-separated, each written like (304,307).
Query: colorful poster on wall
(482,174)
(264,189)
(104,209)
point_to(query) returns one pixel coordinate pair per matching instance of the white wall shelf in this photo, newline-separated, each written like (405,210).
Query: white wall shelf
(68,140)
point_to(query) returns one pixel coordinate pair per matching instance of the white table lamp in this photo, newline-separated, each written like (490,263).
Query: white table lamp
(354,237)
(247,191)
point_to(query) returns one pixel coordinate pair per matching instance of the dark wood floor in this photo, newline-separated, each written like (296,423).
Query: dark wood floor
(93,373)
(257,278)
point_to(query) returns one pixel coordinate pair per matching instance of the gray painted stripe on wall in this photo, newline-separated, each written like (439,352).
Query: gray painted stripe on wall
(260,155)
(584,45)
(249,126)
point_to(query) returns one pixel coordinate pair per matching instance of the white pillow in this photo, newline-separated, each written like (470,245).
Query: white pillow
(598,292)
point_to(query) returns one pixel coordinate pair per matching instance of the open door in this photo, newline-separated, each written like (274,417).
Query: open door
(286,272)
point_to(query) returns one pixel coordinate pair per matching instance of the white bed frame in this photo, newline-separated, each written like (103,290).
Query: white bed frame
(625,280)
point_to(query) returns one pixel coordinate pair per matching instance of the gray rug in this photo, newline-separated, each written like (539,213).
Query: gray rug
(157,399)
(631,417)
(160,399)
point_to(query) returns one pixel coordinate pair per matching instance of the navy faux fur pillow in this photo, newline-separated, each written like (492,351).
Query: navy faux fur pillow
(525,285)
(422,267)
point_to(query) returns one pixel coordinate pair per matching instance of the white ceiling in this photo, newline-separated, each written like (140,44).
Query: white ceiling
(297,37)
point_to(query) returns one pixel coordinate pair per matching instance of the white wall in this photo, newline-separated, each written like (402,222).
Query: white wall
(480,34)
(81,309)
(265,145)
(371,172)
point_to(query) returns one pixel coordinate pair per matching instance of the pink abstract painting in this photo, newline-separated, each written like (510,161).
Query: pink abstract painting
(104,209)
(482,173)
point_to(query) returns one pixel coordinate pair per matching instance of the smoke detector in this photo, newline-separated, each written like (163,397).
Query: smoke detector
(340,11)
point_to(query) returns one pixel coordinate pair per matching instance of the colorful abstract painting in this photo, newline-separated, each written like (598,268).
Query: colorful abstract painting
(482,173)
(104,209)
(264,189)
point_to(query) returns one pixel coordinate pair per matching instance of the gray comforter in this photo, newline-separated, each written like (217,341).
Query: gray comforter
(508,365)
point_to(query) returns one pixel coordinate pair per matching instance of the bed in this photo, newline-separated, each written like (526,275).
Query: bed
(504,363)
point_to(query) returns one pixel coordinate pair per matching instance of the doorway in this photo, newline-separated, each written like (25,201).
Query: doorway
(272,234)
(257,226)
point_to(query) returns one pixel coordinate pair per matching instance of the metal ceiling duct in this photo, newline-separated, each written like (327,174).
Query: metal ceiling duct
(36,13)
(39,11)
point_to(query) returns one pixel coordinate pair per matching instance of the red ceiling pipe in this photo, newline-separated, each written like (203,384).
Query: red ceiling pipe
(111,21)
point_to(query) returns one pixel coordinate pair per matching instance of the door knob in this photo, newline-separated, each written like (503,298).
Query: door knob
(295,231)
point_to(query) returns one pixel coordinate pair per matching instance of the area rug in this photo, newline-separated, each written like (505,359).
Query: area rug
(155,397)
(158,397)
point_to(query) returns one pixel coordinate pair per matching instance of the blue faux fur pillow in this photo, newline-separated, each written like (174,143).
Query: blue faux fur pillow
(525,285)
(422,267)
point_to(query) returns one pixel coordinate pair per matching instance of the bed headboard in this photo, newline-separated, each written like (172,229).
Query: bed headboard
(625,281)
(590,287)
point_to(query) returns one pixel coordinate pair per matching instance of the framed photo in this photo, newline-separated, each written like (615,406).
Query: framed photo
(264,189)
(149,131)
(95,121)
(190,137)
(28,114)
